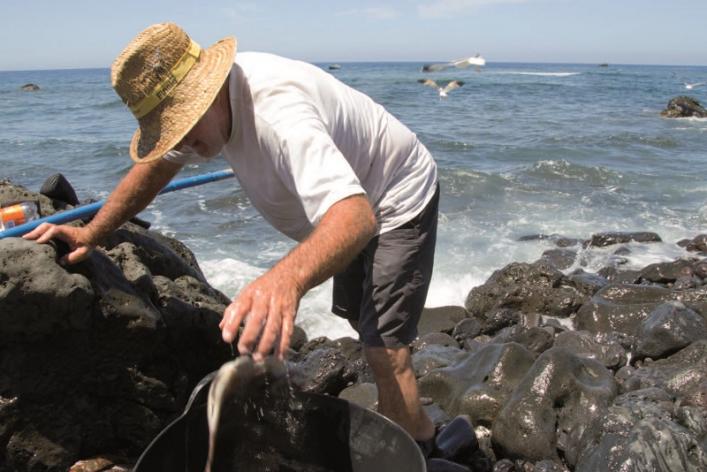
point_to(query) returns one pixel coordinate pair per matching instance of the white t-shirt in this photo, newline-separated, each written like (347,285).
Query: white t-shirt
(302,140)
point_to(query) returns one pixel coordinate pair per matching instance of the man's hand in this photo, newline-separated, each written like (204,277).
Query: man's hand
(77,239)
(269,306)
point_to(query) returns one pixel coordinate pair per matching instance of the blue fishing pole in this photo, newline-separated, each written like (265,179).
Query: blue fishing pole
(91,209)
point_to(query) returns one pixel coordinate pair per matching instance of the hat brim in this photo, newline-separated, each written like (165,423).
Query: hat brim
(165,126)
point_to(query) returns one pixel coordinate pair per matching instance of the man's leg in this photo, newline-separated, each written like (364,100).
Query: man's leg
(398,397)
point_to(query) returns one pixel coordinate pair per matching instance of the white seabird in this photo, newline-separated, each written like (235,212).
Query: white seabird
(443,91)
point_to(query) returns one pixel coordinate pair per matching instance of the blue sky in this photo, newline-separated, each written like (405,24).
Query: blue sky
(49,34)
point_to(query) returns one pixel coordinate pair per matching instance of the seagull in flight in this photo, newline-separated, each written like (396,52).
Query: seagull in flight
(443,91)
(695,85)
(462,63)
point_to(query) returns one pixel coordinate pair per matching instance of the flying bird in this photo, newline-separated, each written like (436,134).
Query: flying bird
(443,91)
(462,63)
(695,85)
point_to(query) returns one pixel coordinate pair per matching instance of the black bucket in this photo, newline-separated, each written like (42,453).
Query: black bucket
(333,435)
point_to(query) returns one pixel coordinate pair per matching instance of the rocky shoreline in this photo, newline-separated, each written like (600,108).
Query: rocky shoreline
(556,370)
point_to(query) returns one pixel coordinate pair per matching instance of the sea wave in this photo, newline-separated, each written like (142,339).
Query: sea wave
(544,74)
(564,170)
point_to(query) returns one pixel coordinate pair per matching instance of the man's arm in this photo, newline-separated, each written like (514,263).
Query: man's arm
(269,304)
(134,192)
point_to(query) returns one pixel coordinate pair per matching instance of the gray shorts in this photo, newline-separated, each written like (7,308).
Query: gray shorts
(383,291)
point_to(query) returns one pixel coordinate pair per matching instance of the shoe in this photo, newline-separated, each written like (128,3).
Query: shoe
(57,187)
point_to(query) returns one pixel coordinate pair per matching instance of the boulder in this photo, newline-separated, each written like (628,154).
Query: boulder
(97,357)
(641,431)
(683,107)
(561,396)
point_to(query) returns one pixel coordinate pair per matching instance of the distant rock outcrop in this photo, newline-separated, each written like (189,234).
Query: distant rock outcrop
(29,87)
(683,107)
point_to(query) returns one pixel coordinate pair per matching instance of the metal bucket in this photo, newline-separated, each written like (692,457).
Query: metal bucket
(332,435)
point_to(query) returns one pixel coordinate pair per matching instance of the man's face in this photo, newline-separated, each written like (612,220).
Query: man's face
(210,133)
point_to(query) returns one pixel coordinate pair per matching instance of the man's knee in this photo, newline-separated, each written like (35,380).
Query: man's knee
(385,361)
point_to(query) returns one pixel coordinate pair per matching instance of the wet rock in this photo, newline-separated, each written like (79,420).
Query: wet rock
(622,251)
(623,307)
(698,243)
(321,371)
(618,276)
(525,288)
(535,339)
(440,319)
(560,259)
(363,394)
(586,282)
(619,307)
(611,354)
(433,339)
(479,383)
(640,432)
(686,282)
(610,238)
(560,397)
(669,327)
(667,272)
(434,357)
(29,87)
(504,465)
(560,241)
(466,329)
(682,107)
(355,368)
(684,375)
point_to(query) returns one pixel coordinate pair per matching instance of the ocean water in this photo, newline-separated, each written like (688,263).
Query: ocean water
(521,148)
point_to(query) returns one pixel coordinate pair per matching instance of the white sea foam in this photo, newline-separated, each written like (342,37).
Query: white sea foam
(230,276)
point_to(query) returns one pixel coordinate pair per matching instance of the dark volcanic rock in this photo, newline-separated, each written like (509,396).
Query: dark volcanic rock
(610,353)
(682,107)
(641,431)
(607,239)
(684,375)
(668,272)
(434,357)
(97,357)
(669,328)
(623,307)
(479,383)
(440,319)
(522,288)
(559,258)
(698,243)
(560,397)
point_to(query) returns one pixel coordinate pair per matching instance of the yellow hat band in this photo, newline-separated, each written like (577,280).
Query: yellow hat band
(165,87)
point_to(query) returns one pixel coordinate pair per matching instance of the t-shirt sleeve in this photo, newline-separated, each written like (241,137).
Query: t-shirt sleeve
(311,166)
(183,158)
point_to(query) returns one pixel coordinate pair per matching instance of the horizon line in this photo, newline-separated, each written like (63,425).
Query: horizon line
(400,62)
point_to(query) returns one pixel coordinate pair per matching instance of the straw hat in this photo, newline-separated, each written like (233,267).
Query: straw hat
(168,82)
